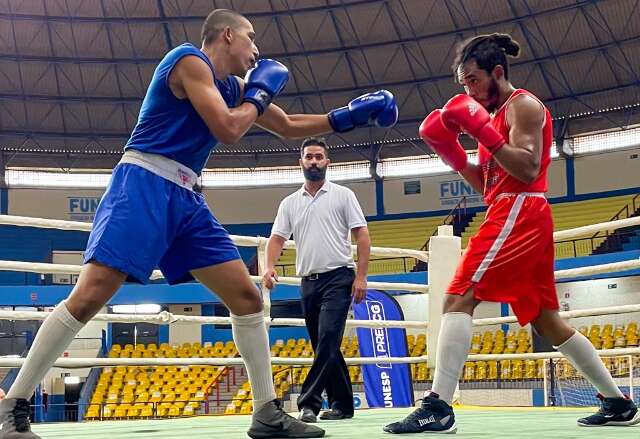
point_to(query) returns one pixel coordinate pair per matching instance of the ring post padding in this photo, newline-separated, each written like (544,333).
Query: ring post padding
(444,251)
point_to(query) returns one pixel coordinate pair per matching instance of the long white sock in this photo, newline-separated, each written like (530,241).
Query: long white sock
(454,343)
(54,336)
(579,350)
(252,340)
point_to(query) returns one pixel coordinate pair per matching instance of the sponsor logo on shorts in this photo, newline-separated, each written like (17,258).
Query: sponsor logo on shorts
(184,178)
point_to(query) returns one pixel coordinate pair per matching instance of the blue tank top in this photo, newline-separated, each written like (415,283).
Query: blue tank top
(172,127)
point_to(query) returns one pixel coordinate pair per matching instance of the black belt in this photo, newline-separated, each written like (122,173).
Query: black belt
(317,276)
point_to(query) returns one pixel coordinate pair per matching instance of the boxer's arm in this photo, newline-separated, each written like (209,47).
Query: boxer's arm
(228,125)
(363,246)
(293,126)
(473,174)
(521,156)
(275,244)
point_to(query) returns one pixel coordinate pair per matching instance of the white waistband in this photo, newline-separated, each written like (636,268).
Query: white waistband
(162,166)
(524,194)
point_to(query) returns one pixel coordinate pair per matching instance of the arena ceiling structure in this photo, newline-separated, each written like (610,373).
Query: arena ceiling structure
(73,72)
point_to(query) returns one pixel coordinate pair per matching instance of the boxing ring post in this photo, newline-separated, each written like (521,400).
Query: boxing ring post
(261,256)
(444,253)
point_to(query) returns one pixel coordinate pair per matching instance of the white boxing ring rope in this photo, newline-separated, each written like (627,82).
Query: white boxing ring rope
(168,318)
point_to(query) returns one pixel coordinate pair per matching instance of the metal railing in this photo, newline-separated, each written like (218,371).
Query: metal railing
(602,242)
(586,246)
(454,218)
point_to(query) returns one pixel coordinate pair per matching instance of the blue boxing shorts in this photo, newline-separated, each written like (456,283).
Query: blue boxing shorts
(145,221)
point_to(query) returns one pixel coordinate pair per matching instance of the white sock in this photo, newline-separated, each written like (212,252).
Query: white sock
(579,350)
(54,336)
(250,336)
(454,343)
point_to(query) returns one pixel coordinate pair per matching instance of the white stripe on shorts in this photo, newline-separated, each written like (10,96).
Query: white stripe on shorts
(502,237)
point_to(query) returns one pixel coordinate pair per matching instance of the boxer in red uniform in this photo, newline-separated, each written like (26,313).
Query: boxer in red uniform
(510,259)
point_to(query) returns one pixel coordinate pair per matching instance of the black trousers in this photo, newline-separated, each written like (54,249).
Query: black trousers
(325,304)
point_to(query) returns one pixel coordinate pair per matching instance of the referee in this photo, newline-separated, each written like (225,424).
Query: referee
(322,215)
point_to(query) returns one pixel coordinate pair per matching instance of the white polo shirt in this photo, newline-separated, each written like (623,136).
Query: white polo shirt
(321,226)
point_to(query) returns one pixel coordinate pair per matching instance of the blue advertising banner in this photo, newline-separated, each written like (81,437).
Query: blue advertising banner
(385,384)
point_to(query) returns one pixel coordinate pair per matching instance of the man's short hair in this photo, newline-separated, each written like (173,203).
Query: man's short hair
(217,21)
(314,141)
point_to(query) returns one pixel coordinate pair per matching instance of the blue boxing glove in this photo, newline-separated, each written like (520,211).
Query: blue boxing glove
(263,82)
(378,107)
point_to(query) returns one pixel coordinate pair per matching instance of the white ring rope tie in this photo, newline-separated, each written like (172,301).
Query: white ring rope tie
(81,363)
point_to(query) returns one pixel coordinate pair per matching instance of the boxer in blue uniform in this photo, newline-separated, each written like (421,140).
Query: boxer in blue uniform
(150,216)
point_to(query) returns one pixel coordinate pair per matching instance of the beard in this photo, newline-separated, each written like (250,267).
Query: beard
(314,173)
(493,93)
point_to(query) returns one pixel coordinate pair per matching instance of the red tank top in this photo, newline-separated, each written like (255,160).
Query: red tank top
(496,179)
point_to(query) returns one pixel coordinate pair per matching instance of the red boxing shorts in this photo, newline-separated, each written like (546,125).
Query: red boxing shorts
(510,259)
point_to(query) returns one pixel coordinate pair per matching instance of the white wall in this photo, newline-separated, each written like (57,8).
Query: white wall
(601,293)
(182,333)
(607,171)
(437,192)
(442,191)
(557,178)
(593,173)
(260,205)
(65,204)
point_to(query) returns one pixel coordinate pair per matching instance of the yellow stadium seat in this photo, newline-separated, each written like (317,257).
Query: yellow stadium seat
(107,411)
(516,370)
(93,412)
(120,411)
(146,412)
(505,369)
(492,373)
(531,369)
(142,397)
(481,370)
(476,343)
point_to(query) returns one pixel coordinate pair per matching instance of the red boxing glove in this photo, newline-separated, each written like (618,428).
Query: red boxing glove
(443,141)
(465,114)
